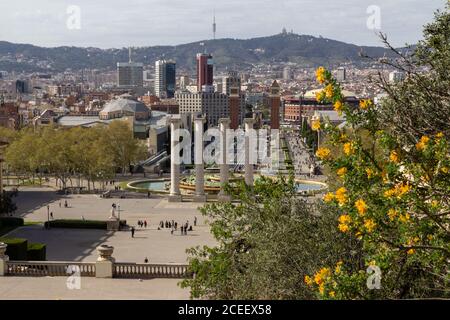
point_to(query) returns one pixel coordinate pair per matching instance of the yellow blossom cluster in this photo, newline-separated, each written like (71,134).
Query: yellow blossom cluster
(423,143)
(369,224)
(341,171)
(393,157)
(392,214)
(315,125)
(349,148)
(344,223)
(328,197)
(338,107)
(329,91)
(361,206)
(341,195)
(370,173)
(320,75)
(399,190)
(365,104)
(323,153)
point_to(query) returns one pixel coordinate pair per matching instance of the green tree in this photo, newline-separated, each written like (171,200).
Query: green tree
(267,244)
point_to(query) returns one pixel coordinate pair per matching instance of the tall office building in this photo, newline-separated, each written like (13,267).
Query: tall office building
(205,72)
(130,74)
(341,74)
(165,78)
(231,80)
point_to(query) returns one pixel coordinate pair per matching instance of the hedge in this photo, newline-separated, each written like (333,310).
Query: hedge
(17,248)
(11,222)
(77,224)
(36,252)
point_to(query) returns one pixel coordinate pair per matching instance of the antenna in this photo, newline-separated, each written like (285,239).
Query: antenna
(214,25)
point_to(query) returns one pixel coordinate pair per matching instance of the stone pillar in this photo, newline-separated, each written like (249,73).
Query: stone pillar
(3,259)
(199,164)
(224,124)
(249,122)
(175,195)
(104,267)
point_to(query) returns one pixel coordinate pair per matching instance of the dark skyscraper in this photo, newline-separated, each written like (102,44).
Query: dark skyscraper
(170,79)
(205,71)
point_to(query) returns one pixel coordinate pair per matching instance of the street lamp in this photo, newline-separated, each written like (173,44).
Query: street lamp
(48,216)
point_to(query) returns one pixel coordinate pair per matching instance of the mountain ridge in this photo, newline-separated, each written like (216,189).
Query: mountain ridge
(228,53)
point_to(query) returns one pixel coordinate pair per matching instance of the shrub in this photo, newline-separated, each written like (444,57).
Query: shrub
(11,222)
(36,252)
(17,248)
(77,224)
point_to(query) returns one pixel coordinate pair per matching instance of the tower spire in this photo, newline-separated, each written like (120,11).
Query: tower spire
(214,25)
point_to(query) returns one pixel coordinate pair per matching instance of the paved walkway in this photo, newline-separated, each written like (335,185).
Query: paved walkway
(55,288)
(159,246)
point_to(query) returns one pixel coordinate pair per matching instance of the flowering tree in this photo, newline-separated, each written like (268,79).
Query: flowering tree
(393,170)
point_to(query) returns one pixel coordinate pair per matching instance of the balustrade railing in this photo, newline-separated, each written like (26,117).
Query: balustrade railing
(132,270)
(51,269)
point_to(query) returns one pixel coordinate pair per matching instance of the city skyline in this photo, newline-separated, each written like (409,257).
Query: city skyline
(148,23)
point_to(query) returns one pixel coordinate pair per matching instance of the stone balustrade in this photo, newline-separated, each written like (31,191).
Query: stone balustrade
(104,267)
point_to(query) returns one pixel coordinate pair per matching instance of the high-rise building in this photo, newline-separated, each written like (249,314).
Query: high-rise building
(205,72)
(287,73)
(341,74)
(232,80)
(214,105)
(165,78)
(184,82)
(130,74)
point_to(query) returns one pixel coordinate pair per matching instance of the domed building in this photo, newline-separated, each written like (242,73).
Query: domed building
(125,106)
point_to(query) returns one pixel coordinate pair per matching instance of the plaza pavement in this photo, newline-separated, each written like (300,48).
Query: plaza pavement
(159,246)
(55,288)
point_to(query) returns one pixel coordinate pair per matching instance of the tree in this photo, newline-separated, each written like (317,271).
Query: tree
(266,244)
(394,187)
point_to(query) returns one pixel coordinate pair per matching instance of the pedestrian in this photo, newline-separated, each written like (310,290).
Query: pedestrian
(182,231)
(195,221)
(65,204)
(60,204)
(132,232)
(145,224)
(145,260)
(51,215)
(176,225)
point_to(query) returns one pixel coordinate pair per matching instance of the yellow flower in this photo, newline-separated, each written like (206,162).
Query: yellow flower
(370,225)
(322,289)
(345,219)
(323,153)
(338,107)
(404,218)
(430,237)
(320,75)
(439,136)
(411,251)
(337,270)
(341,195)
(319,96)
(444,170)
(321,276)
(365,104)
(332,294)
(328,197)
(402,188)
(342,171)
(369,172)
(315,125)
(394,156)
(422,144)
(361,206)
(308,280)
(358,235)
(329,91)
(348,148)
(392,213)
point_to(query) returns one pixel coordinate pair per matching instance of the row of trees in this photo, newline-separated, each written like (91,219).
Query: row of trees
(95,154)
(382,232)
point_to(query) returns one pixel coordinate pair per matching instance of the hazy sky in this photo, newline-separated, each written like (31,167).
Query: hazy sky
(121,23)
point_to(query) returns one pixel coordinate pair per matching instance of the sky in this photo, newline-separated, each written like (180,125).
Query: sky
(123,23)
